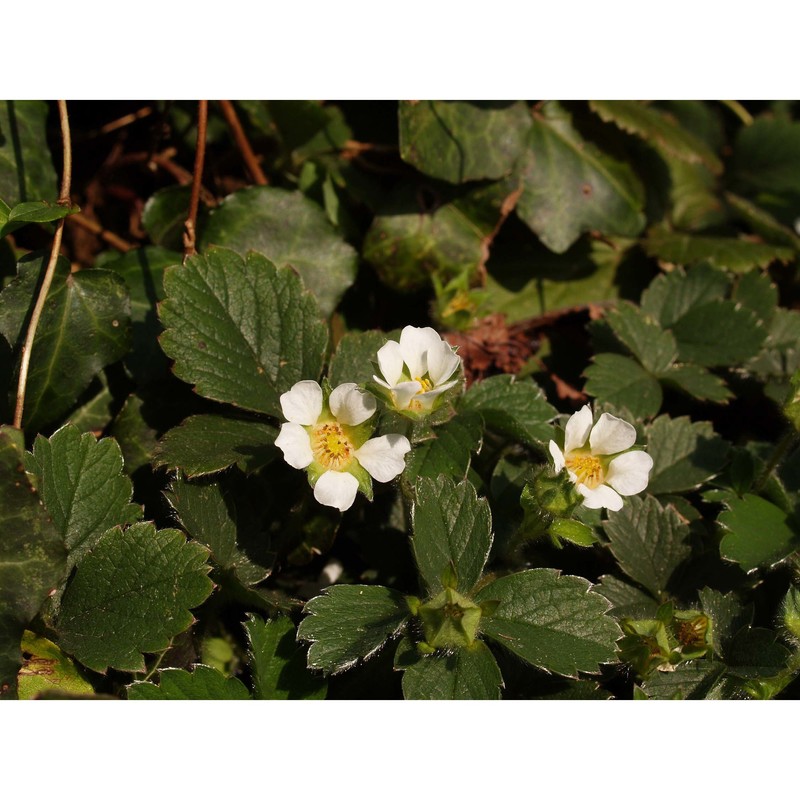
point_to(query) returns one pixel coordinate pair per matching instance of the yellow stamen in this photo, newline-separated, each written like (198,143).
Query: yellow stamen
(425,383)
(331,447)
(587,468)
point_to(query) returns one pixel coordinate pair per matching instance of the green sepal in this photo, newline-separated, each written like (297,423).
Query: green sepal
(692,633)
(645,645)
(571,530)
(450,620)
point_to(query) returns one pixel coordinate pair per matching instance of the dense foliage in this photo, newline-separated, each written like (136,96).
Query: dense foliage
(430,400)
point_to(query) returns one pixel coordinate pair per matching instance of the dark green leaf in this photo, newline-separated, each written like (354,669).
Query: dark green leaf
(32,556)
(685,454)
(85,325)
(697,382)
(551,621)
(26,168)
(207,443)
(452,529)
(658,129)
(626,600)
(449,453)
(353,360)
(655,348)
(766,157)
(465,674)
(755,653)
(693,680)
(514,408)
(348,623)
(670,296)
(136,439)
(130,594)
(95,414)
(210,516)
(278,664)
(291,231)
(243,332)
(460,141)
(758,532)
(37,211)
(728,617)
(648,541)
(620,381)
(762,222)
(755,291)
(83,487)
(570,186)
(694,202)
(165,213)
(202,683)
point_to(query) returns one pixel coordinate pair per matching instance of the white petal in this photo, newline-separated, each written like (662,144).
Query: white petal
(629,473)
(296,445)
(558,456)
(302,403)
(601,497)
(442,362)
(425,399)
(350,405)
(611,435)
(403,393)
(390,360)
(577,430)
(336,489)
(414,345)
(384,456)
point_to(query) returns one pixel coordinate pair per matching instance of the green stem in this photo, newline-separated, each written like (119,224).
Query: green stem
(737,108)
(157,662)
(781,449)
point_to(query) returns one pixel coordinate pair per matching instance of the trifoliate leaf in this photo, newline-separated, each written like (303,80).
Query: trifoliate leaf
(620,381)
(242,331)
(291,231)
(452,531)
(449,453)
(130,594)
(551,621)
(655,348)
(649,541)
(347,623)
(202,683)
(670,296)
(460,141)
(207,443)
(277,663)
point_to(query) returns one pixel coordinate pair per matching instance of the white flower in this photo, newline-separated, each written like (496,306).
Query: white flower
(331,441)
(417,369)
(599,468)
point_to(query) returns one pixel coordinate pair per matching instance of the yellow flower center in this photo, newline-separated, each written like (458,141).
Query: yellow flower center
(331,447)
(587,468)
(425,383)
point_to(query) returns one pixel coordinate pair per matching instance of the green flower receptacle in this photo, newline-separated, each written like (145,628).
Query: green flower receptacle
(449,620)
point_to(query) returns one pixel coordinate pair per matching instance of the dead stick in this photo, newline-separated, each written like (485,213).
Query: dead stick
(63,199)
(190,226)
(95,227)
(250,160)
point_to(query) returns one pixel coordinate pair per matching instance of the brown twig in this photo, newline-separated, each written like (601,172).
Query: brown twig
(63,199)
(120,123)
(95,227)
(190,226)
(250,160)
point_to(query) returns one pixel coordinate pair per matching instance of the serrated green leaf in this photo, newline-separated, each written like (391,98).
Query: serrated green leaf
(95,414)
(514,408)
(206,443)
(452,529)
(758,532)
(449,453)
(45,667)
(352,362)
(737,255)
(278,664)
(136,439)
(467,673)
(347,623)
(626,600)
(571,187)
(619,380)
(37,211)
(551,620)
(728,617)
(291,231)
(762,222)
(655,348)
(685,454)
(692,680)
(766,158)
(130,594)
(32,557)
(85,325)
(694,201)
(202,683)
(658,129)
(242,331)
(755,653)
(83,487)
(459,141)
(697,382)
(670,296)
(26,167)
(210,516)
(755,291)
(649,541)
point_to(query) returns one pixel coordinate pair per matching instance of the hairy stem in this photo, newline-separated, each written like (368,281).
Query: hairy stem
(190,226)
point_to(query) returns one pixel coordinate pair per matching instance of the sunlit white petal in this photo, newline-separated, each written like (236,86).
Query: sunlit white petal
(426,399)
(628,473)
(611,435)
(601,497)
(404,392)
(296,445)
(302,403)
(350,405)
(558,456)
(442,362)
(390,360)
(414,345)
(384,456)
(577,429)
(336,489)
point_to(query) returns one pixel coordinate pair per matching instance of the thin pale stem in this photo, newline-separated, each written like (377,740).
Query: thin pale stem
(190,226)
(63,199)
(239,136)
(737,108)
(95,227)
